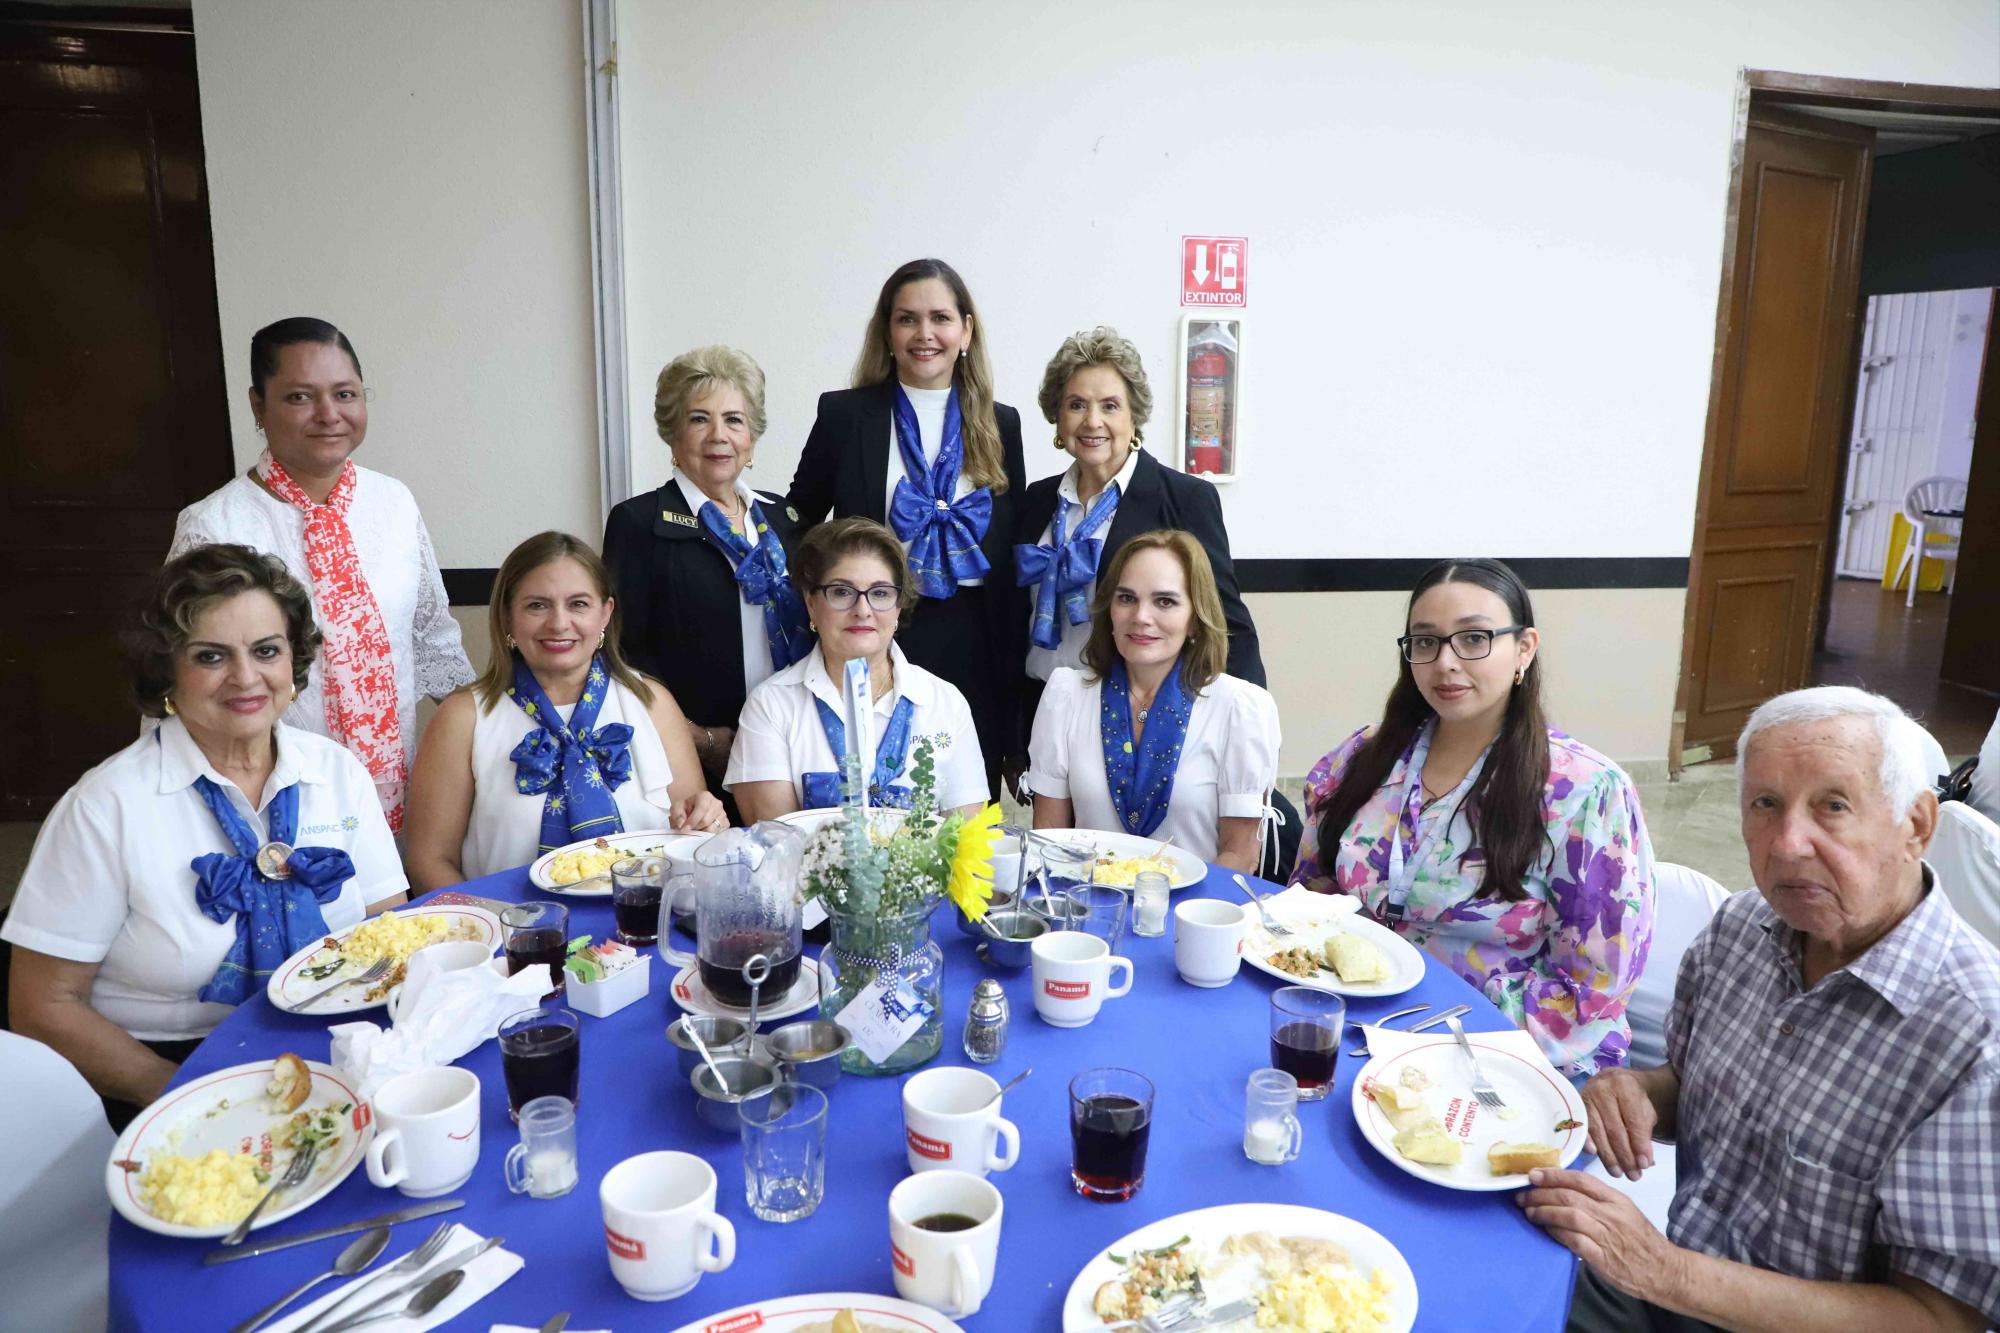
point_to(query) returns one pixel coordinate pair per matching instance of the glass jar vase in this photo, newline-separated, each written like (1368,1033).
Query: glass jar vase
(896,948)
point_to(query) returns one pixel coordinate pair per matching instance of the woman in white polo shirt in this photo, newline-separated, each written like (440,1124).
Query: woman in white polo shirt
(1152,737)
(146,911)
(857,587)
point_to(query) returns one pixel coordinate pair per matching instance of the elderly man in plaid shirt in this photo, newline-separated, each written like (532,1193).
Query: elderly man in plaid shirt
(1833,1073)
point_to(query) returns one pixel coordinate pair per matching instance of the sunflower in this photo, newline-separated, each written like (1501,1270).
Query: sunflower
(971,881)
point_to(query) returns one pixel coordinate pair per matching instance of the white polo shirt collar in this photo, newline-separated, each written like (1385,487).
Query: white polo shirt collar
(181,762)
(908,683)
(1067,487)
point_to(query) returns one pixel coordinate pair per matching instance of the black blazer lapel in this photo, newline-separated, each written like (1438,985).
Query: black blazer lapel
(671,518)
(871,428)
(1038,506)
(1140,509)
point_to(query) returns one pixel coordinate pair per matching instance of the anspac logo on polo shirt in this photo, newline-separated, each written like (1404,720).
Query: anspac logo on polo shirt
(346,824)
(1066,990)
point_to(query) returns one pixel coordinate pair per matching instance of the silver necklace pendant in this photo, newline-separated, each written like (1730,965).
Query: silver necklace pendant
(1142,715)
(271,860)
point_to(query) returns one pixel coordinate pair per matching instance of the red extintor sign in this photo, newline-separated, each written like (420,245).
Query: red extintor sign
(1215,270)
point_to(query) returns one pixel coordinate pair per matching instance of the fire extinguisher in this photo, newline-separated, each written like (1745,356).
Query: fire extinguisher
(1211,381)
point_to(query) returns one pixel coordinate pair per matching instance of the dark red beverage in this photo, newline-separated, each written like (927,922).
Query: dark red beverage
(538,944)
(1306,1051)
(539,1059)
(636,912)
(1108,1135)
(722,966)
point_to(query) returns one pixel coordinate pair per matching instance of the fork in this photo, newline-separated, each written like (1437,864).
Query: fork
(416,1260)
(376,971)
(1488,1095)
(295,1174)
(1174,1311)
(1262,915)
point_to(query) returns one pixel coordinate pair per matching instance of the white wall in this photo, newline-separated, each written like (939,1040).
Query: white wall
(416,173)
(1484,239)
(1959,413)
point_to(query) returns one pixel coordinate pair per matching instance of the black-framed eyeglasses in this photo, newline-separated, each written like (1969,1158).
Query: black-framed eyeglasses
(840,596)
(1468,645)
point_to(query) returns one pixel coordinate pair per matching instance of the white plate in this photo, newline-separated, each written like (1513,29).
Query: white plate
(186,1122)
(1367,1248)
(1533,1087)
(791,1313)
(286,987)
(691,995)
(1315,917)
(674,846)
(1184,869)
(807,821)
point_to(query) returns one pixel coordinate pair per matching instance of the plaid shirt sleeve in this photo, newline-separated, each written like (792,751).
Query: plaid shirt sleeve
(1940,1196)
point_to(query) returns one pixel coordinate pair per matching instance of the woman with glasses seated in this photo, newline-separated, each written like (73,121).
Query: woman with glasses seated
(1466,823)
(856,586)
(1152,737)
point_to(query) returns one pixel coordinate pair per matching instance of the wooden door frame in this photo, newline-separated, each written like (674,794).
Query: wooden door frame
(1765,90)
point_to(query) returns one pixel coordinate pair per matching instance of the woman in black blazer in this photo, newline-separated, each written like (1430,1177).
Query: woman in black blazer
(1096,395)
(923,360)
(699,566)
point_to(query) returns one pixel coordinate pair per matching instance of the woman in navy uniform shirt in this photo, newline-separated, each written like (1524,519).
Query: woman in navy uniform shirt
(699,566)
(919,444)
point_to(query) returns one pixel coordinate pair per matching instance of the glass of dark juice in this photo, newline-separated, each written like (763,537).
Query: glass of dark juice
(1110,1120)
(537,933)
(540,1056)
(637,884)
(1305,1037)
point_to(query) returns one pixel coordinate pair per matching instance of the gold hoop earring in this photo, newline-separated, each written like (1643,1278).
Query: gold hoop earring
(1519,672)
(168,704)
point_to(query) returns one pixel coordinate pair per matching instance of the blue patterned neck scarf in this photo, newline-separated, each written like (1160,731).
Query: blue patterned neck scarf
(576,767)
(762,576)
(275,918)
(1064,569)
(943,534)
(1142,777)
(821,790)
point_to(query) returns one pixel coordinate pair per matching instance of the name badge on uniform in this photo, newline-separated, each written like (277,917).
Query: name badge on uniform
(685,520)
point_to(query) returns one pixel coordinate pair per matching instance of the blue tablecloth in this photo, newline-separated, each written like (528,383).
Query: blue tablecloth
(1478,1262)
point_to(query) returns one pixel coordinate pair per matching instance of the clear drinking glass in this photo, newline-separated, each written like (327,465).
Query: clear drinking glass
(1305,1037)
(637,883)
(784,1152)
(543,1164)
(1110,1125)
(1150,891)
(1271,1133)
(537,932)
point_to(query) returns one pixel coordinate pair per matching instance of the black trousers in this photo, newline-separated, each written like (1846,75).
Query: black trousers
(121,1114)
(953,638)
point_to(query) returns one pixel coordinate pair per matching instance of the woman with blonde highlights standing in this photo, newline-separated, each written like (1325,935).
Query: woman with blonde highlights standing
(919,444)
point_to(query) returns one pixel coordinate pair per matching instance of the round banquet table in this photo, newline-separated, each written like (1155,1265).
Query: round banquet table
(1478,1262)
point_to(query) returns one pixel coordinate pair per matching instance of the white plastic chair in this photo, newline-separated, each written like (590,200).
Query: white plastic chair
(1931,493)
(54,1217)
(1965,853)
(1683,902)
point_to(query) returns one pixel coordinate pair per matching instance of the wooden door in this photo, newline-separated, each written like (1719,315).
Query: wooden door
(1972,631)
(110,371)
(1778,415)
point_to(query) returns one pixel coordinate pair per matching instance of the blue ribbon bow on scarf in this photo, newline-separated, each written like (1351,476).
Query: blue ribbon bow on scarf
(822,790)
(576,767)
(1064,569)
(275,918)
(1142,777)
(764,580)
(943,534)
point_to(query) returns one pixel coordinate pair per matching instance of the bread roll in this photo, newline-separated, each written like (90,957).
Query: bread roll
(290,1082)
(1517,1159)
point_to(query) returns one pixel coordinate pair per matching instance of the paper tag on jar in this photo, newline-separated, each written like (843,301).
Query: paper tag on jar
(880,1020)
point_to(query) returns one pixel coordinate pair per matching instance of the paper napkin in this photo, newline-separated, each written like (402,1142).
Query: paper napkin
(457,1012)
(1388,1043)
(482,1275)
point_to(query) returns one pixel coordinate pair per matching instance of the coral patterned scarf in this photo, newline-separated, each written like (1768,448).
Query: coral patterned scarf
(360,673)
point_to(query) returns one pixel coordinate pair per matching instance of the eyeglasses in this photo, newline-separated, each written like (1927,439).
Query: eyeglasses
(840,596)
(1468,645)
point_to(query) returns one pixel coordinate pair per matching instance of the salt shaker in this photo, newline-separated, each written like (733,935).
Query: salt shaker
(986,1022)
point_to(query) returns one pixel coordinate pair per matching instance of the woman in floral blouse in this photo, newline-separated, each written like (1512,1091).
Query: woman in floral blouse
(1485,836)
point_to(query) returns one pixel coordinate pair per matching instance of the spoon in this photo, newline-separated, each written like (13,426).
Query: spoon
(756,968)
(721,1083)
(362,1251)
(429,1296)
(1006,1088)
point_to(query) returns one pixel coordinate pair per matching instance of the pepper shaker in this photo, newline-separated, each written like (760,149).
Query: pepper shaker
(986,1022)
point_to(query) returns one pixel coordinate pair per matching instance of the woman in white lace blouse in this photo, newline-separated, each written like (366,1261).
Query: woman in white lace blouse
(354,538)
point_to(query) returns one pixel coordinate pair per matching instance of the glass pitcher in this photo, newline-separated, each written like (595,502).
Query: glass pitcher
(745,894)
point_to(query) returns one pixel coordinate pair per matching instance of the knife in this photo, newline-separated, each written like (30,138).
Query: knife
(1454,1012)
(307,1237)
(1227,1314)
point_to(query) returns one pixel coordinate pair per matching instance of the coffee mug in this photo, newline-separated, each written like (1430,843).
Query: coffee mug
(1072,976)
(1208,940)
(661,1226)
(944,1238)
(431,962)
(426,1131)
(952,1122)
